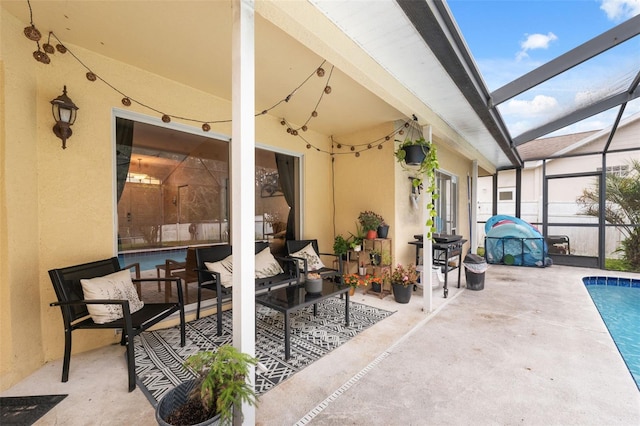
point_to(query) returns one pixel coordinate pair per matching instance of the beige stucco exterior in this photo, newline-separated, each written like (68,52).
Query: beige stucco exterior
(57,207)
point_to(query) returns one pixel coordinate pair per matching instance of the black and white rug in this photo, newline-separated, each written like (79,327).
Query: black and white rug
(159,357)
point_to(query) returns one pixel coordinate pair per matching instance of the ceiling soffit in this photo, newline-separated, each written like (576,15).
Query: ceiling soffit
(387,34)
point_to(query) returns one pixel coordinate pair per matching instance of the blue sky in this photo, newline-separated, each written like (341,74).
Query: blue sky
(511,37)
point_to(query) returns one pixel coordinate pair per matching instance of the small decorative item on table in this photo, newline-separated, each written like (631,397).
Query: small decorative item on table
(313,283)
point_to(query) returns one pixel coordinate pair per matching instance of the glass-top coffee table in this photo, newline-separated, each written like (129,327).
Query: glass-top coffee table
(293,298)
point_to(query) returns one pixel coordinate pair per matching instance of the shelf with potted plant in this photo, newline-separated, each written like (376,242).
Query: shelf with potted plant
(422,166)
(378,253)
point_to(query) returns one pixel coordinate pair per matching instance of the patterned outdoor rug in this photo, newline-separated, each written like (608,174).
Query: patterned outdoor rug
(159,357)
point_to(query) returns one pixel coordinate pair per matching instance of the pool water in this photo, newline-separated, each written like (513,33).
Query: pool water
(618,301)
(149,259)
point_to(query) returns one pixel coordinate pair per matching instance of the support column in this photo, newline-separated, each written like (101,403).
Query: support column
(474,208)
(494,207)
(243,184)
(519,192)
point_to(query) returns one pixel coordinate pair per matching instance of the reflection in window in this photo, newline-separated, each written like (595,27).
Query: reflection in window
(173,194)
(175,191)
(446,203)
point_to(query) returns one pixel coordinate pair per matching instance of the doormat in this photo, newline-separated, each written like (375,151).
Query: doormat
(26,410)
(160,359)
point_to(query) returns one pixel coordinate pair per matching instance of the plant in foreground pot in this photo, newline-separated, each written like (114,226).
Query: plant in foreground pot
(423,176)
(220,387)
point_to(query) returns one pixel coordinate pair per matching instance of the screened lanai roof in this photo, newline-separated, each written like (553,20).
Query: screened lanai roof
(392,59)
(603,101)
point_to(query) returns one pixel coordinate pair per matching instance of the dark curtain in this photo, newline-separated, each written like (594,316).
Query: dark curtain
(286,172)
(124,142)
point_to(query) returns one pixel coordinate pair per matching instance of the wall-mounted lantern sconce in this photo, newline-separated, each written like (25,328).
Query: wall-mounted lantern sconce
(64,112)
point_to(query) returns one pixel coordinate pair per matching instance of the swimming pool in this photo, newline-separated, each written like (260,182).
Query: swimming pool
(149,259)
(618,301)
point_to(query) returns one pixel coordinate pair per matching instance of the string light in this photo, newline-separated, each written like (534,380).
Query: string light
(32,33)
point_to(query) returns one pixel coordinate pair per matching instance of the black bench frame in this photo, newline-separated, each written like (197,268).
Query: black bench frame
(66,282)
(211,280)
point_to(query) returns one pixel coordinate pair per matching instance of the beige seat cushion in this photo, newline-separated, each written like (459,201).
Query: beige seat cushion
(267,265)
(225,268)
(313,260)
(116,286)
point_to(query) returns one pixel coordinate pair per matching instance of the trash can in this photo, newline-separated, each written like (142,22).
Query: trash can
(474,268)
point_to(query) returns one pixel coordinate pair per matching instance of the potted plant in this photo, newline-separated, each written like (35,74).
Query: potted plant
(376,257)
(402,280)
(362,270)
(217,392)
(412,151)
(353,281)
(425,171)
(386,257)
(370,221)
(383,230)
(358,237)
(340,246)
(376,283)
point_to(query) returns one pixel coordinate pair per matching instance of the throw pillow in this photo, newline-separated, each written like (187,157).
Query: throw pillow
(225,268)
(116,286)
(313,260)
(266,264)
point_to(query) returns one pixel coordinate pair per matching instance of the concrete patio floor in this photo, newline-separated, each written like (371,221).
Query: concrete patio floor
(529,349)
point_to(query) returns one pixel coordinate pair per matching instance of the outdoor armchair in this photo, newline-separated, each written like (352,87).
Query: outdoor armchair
(296,250)
(214,267)
(75,306)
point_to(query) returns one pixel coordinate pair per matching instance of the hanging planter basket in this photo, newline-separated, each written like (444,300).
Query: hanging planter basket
(415,154)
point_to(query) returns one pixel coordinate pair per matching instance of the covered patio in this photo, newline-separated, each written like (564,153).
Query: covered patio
(531,350)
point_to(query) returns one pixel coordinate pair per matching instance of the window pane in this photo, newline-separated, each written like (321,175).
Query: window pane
(173,194)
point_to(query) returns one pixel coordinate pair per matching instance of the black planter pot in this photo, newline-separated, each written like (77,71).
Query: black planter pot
(402,293)
(376,259)
(383,231)
(415,154)
(175,398)
(376,287)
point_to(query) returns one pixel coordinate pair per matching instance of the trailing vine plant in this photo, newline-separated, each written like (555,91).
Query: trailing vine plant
(423,175)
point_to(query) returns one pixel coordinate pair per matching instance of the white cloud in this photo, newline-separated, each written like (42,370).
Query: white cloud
(620,10)
(535,41)
(539,105)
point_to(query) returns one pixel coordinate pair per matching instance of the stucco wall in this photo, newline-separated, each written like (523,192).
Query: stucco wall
(58,205)
(364,183)
(20,329)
